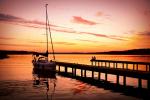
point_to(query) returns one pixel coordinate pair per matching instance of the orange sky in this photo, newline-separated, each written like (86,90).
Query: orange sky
(76,25)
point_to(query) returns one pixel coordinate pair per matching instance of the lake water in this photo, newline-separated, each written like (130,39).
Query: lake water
(16,80)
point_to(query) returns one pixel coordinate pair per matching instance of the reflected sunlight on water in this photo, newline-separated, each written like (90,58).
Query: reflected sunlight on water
(16,80)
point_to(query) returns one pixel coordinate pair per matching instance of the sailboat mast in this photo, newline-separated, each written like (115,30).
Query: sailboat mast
(46,31)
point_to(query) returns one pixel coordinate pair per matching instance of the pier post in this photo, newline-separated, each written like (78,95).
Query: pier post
(146,67)
(113,65)
(59,68)
(139,83)
(148,84)
(116,65)
(133,66)
(106,76)
(65,69)
(123,65)
(126,66)
(109,64)
(136,66)
(117,80)
(84,73)
(81,73)
(124,80)
(74,71)
(98,63)
(93,74)
(105,64)
(99,75)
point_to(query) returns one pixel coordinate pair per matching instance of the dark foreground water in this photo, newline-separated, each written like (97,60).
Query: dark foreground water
(17,81)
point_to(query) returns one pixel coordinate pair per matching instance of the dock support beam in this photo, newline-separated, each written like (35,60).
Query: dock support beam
(123,65)
(124,80)
(84,73)
(93,74)
(99,75)
(74,71)
(136,66)
(106,76)
(148,84)
(65,69)
(117,80)
(59,68)
(81,73)
(126,66)
(139,83)
(146,67)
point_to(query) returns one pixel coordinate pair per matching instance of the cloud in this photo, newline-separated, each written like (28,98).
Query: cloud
(24,22)
(64,30)
(6,38)
(6,17)
(87,40)
(64,43)
(101,14)
(105,36)
(38,24)
(80,20)
(146,33)
(23,45)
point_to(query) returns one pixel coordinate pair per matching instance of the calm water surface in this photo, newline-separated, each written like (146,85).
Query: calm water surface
(16,80)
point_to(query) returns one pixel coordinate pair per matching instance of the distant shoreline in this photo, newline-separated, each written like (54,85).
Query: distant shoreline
(125,52)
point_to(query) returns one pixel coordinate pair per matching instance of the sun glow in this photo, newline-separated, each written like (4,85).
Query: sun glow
(77,26)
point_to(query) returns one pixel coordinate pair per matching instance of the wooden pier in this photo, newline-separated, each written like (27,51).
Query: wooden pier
(109,67)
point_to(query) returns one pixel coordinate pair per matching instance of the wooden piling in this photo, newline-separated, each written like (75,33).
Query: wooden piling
(99,75)
(93,74)
(84,73)
(81,73)
(117,79)
(139,83)
(124,80)
(65,69)
(106,76)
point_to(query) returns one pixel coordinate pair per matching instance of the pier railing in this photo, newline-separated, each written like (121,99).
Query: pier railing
(121,64)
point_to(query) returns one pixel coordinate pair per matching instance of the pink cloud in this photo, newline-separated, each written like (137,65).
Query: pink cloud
(105,36)
(24,22)
(65,43)
(146,33)
(87,40)
(64,30)
(81,20)
(38,24)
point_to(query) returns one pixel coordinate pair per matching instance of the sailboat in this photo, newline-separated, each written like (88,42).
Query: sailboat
(40,60)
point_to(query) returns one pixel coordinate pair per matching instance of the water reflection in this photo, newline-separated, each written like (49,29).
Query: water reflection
(107,85)
(43,78)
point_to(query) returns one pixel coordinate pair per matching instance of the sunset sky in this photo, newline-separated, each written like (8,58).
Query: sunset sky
(76,25)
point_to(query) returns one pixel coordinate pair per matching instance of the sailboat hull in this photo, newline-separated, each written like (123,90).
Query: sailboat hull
(50,66)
